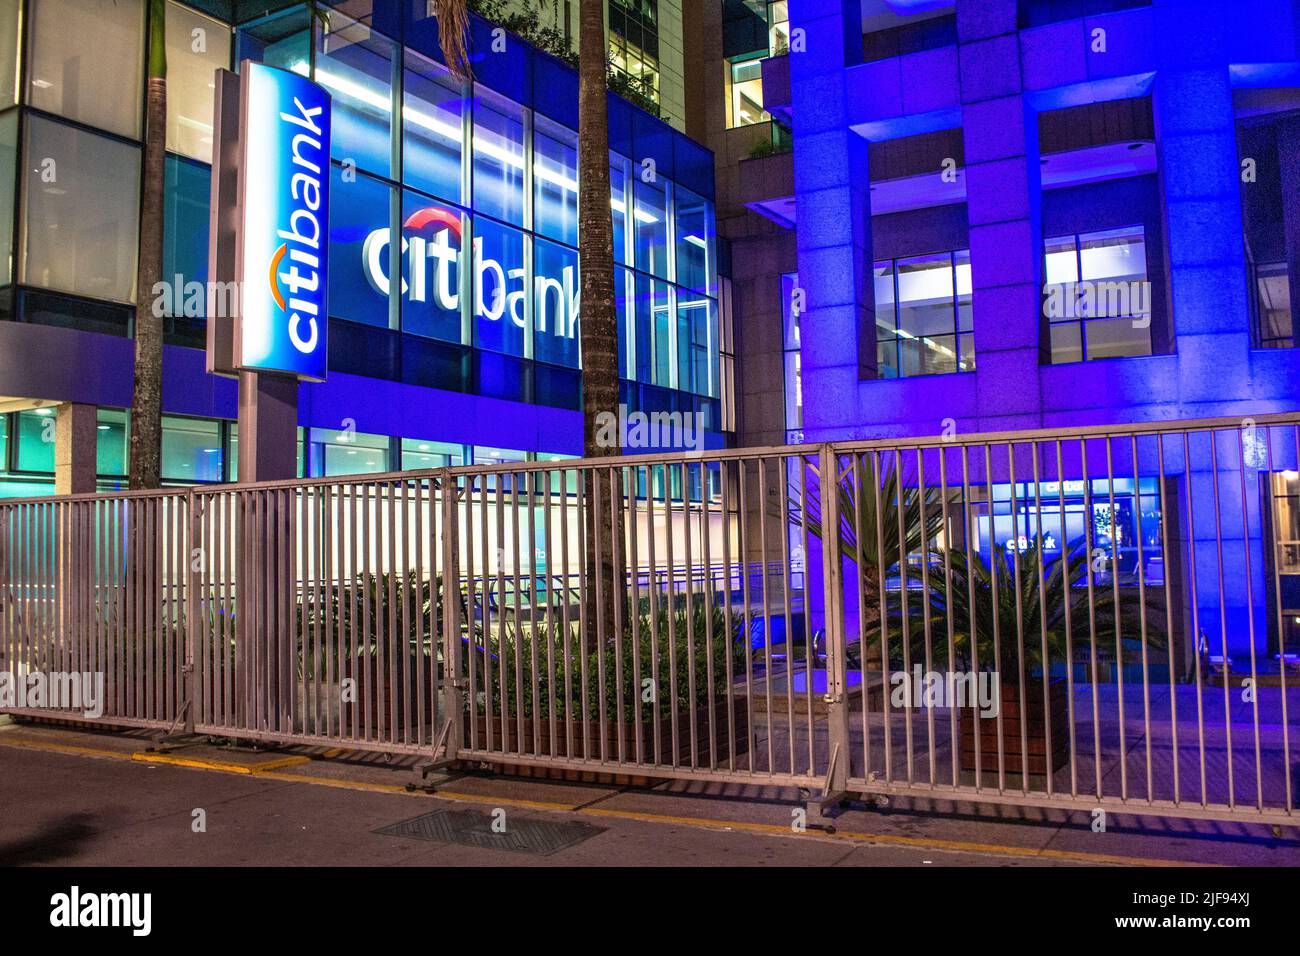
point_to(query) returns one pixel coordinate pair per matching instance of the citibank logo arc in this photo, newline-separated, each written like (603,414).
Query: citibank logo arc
(430,254)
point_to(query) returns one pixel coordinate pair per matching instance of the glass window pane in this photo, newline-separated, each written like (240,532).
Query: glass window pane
(1112,338)
(362,256)
(9,163)
(197,46)
(36,440)
(80,212)
(745,105)
(555,308)
(498,157)
(886,356)
(356,66)
(555,181)
(703,314)
(932,355)
(1273,288)
(1115,266)
(501,323)
(283,40)
(662,330)
(1066,342)
(925,296)
(618,173)
(418,453)
(346,453)
(110,445)
(9,54)
(432,260)
(651,217)
(624,297)
(185,231)
(793,390)
(191,449)
(696,256)
(790,310)
(87,61)
(433,108)
(1062,260)
(961,272)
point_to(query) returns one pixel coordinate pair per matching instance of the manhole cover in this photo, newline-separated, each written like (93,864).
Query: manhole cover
(471,828)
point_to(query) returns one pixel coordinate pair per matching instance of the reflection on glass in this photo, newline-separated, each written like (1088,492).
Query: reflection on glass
(1273,297)
(356,66)
(924,324)
(555,181)
(1097,283)
(197,46)
(501,309)
(79,226)
(695,241)
(87,62)
(745,104)
(432,116)
(498,157)
(651,218)
(555,307)
(346,453)
(417,453)
(191,449)
(360,233)
(110,443)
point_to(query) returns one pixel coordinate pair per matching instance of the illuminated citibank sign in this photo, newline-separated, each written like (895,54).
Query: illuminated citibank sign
(283,249)
(430,253)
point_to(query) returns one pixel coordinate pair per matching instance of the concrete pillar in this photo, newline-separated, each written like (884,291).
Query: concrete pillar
(1003,209)
(833,183)
(75,437)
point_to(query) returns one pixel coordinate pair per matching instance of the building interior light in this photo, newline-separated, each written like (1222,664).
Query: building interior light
(354,91)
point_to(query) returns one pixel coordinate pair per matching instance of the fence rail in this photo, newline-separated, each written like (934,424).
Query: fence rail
(1084,618)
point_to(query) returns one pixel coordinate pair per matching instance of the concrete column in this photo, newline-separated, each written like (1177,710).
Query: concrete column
(268,427)
(1003,209)
(1200,177)
(833,183)
(75,437)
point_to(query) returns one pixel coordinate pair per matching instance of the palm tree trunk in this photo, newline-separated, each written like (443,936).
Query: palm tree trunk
(146,402)
(598,338)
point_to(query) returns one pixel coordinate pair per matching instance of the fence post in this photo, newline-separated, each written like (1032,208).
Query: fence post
(837,719)
(195,558)
(453,685)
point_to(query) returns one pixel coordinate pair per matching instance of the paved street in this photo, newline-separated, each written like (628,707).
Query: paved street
(74,798)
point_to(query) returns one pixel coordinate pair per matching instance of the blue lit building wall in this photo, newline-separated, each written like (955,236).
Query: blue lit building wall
(1005,68)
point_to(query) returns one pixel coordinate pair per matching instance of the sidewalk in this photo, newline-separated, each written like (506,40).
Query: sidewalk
(80,798)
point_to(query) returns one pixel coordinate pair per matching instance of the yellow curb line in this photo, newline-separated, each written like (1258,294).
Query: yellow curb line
(270,771)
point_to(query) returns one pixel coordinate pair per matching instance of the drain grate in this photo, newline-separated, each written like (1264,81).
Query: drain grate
(471,828)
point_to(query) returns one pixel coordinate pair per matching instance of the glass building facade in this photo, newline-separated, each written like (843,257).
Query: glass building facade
(453,219)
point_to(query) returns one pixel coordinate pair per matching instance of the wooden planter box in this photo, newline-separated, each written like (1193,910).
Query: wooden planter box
(506,738)
(1033,759)
(366,671)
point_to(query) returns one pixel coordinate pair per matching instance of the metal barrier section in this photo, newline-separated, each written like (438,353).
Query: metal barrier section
(92,607)
(1091,619)
(1094,619)
(319,613)
(642,614)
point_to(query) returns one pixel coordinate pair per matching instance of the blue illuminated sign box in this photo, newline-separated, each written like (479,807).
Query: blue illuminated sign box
(283,254)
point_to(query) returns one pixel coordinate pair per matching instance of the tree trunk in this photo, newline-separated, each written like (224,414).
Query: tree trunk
(598,338)
(146,402)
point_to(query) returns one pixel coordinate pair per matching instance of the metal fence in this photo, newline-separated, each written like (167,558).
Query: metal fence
(1099,617)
